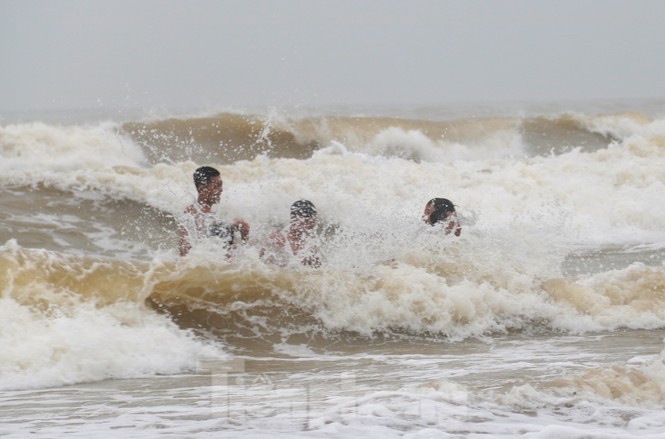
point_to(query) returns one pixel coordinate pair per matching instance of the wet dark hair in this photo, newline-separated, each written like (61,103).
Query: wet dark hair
(303,209)
(203,175)
(442,206)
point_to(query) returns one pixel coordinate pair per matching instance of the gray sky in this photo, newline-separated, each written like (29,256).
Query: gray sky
(219,53)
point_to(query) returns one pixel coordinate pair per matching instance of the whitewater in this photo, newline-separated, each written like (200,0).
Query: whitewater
(545,318)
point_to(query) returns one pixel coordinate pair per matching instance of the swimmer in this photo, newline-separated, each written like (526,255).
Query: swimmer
(442,210)
(198,217)
(301,233)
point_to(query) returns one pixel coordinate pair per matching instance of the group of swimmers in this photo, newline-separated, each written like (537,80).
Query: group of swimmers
(199,219)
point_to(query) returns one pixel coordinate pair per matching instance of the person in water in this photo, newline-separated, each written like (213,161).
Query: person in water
(198,217)
(442,210)
(301,234)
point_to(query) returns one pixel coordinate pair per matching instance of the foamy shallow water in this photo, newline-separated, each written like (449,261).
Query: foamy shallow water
(596,385)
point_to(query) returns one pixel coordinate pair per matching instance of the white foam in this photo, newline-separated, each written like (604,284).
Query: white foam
(608,196)
(87,343)
(39,148)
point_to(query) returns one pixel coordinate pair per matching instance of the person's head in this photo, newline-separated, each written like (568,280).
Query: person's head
(208,182)
(438,209)
(303,212)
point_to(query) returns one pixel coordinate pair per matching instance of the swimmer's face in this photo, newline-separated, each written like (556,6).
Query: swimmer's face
(214,189)
(429,210)
(303,223)
(427,214)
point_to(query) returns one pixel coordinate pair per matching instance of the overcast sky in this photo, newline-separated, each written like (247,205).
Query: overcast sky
(219,53)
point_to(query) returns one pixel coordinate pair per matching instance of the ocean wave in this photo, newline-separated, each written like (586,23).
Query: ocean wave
(229,137)
(627,385)
(448,298)
(70,320)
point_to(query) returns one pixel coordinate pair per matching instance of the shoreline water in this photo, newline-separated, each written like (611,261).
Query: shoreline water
(461,389)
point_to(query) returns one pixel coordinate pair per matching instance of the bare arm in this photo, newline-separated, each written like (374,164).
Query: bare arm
(183,242)
(453,225)
(183,245)
(275,240)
